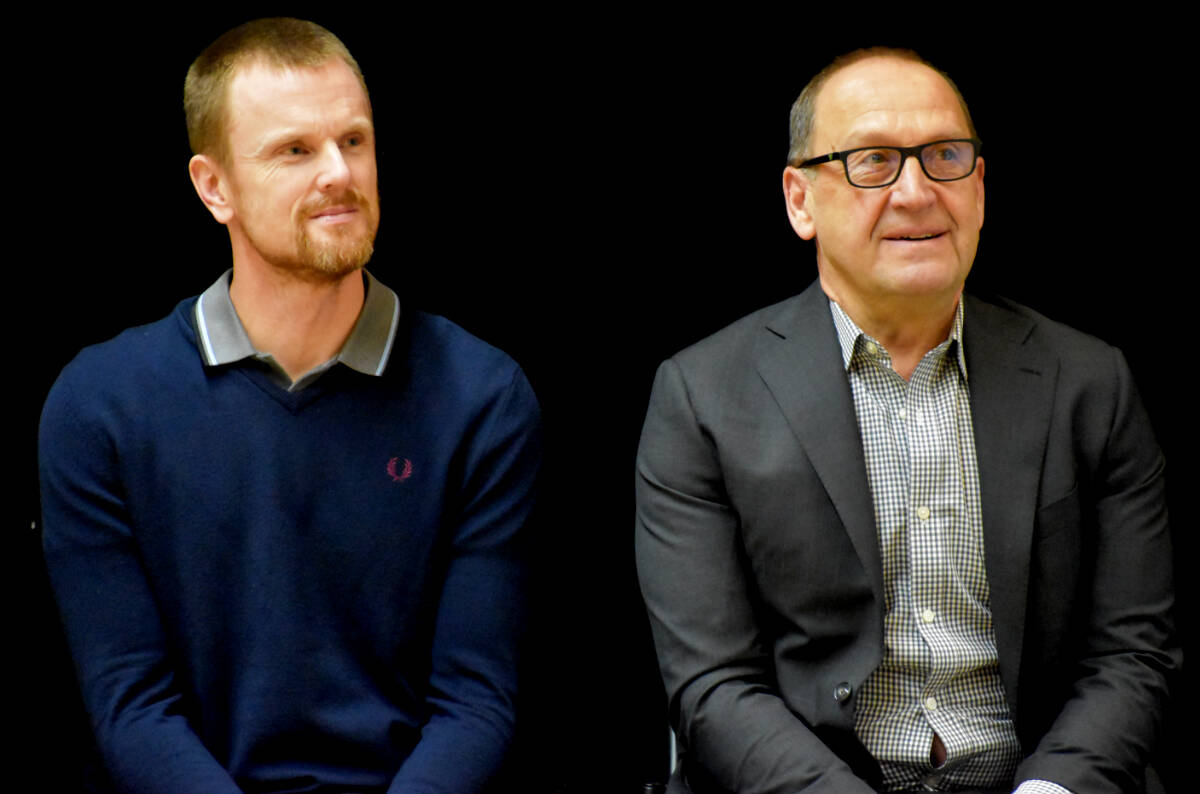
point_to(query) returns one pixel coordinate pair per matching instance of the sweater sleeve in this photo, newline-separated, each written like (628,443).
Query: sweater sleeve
(479,616)
(109,612)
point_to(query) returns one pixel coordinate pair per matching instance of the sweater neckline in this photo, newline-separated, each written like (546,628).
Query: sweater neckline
(293,401)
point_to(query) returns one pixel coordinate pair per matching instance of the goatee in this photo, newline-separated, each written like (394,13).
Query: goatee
(345,249)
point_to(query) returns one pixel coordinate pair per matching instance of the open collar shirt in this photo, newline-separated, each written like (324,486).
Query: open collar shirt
(940,672)
(223,339)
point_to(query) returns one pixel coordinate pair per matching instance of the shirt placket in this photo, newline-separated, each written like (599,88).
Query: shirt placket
(898,418)
(933,485)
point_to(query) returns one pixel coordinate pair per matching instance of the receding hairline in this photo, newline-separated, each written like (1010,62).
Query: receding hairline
(802,118)
(243,66)
(277,43)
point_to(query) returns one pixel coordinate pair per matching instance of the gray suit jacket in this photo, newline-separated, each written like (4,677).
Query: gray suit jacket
(760,566)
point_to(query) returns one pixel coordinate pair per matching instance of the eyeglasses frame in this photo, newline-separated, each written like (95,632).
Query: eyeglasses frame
(905,153)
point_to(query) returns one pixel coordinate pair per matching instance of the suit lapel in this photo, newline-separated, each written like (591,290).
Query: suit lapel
(1011,381)
(798,358)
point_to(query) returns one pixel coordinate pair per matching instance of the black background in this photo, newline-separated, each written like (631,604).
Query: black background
(591,192)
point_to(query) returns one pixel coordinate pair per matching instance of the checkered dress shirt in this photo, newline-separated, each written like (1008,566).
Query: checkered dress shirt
(939,671)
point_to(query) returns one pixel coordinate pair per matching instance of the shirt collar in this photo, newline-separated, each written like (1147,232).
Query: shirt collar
(223,339)
(848,335)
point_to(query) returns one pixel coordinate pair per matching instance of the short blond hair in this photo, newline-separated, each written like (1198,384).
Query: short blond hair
(280,42)
(804,109)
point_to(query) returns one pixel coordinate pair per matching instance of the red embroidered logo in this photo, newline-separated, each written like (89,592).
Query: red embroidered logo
(398,472)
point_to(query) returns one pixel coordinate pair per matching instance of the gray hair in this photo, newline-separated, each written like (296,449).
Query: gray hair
(804,108)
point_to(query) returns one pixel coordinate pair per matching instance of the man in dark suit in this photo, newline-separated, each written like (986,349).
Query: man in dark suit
(893,537)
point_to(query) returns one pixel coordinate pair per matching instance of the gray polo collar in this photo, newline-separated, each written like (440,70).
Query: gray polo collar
(848,333)
(223,340)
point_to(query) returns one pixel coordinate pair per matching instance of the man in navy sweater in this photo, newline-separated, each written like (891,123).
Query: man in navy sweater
(283,523)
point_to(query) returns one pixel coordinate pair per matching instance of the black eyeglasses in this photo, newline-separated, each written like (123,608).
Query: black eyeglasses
(880,166)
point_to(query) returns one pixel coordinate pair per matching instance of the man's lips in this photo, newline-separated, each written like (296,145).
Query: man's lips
(914,236)
(335,214)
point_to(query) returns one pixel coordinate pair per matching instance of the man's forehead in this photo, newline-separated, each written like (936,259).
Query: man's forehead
(263,85)
(264,88)
(268,103)
(887,95)
(259,78)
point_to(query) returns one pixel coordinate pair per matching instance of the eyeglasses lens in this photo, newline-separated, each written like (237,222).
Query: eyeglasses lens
(944,161)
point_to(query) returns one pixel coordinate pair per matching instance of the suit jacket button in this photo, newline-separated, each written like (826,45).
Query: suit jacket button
(841,692)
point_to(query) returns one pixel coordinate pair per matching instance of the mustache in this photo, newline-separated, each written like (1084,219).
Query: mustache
(350,197)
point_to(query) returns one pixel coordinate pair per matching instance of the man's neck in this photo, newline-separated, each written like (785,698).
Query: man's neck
(301,323)
(908,329)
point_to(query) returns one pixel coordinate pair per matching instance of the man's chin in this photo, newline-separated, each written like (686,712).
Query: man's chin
(332,261)
(337,265)
(926,275)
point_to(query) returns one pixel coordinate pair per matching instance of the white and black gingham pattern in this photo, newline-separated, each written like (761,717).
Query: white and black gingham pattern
(939,670)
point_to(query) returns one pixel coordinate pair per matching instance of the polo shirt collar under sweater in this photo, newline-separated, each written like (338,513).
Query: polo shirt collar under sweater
(223,339)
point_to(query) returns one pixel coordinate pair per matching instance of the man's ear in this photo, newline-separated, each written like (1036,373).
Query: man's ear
(797,193)
(209,180)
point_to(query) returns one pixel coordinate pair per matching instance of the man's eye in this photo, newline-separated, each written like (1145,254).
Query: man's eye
(294,149)
(353,140)
(871,159)
(945,153)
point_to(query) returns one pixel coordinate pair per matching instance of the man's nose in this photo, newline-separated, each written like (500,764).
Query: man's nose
(912,187)
(334,174)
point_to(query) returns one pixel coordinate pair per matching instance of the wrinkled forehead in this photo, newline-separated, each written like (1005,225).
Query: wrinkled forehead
(886,101)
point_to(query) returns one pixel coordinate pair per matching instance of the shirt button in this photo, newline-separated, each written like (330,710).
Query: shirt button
(931,703)
(923,513)
(871,349)
(841,692)
(903,413)
(928,615)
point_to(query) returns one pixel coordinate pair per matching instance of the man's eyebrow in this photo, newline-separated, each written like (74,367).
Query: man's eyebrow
(887,138)
(359,125)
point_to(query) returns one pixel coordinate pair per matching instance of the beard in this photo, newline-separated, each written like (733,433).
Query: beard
(336,252)
(343,250)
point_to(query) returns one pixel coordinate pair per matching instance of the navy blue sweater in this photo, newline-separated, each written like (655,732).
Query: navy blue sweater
(273,591)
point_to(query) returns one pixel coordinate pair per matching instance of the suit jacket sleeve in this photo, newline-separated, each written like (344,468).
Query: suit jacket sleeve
(115,631)
(473,679)
(715,663)
(1108,539)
